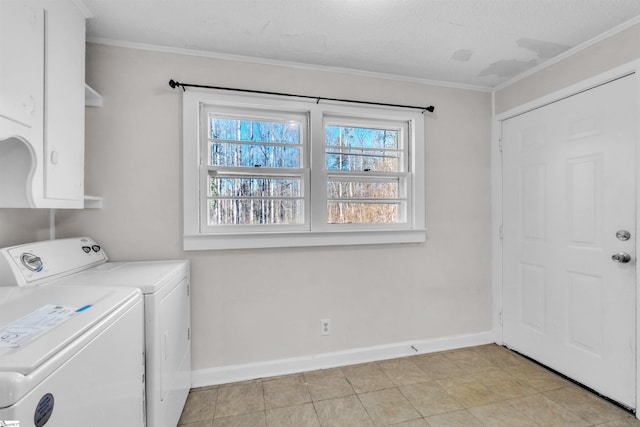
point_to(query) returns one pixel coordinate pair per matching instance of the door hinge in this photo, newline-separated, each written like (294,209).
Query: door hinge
(500,145)
(500,233)
(188,334)
(500,318)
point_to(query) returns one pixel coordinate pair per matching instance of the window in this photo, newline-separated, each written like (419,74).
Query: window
(266,171)
(256,168)
(367,168)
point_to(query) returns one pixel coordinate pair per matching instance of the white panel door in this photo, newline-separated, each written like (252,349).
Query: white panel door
(568,187)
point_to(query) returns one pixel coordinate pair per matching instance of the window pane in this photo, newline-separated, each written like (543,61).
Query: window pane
(364,189)
(362,213)
(246,143)
(367,198)
(376,161)
(257,200)
(226,186)
(256,211)
(284,132)
(363,149)
(250,155)
(345,136)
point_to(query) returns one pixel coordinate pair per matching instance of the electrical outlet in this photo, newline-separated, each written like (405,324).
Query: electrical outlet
(325,326)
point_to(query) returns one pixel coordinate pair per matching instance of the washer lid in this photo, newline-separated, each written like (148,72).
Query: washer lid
(44,352)
(148,276)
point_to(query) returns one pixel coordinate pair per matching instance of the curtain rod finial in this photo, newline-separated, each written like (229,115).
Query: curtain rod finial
(174,84)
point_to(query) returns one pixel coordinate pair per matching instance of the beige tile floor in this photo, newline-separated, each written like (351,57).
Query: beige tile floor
(477,386)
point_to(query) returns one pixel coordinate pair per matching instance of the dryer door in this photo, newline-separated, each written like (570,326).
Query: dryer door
(174,377)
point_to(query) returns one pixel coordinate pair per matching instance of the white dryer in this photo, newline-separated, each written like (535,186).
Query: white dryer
(165,287)
(71,356)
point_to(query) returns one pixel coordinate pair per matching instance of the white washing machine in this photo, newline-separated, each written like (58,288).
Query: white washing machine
(71,356)
(165,287)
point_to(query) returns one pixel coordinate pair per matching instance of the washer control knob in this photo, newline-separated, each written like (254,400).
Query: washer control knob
(96,248)
(86,249)
(32,262)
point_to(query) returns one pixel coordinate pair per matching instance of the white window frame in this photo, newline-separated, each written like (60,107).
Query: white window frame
(404,130)
(316,231)
(206,170)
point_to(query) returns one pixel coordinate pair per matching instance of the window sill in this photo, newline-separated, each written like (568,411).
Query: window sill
(298,239)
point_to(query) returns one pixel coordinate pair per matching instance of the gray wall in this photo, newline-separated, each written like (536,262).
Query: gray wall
(23,225)
(259,305)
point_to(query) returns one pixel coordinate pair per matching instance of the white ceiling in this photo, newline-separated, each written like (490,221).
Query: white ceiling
(479,43)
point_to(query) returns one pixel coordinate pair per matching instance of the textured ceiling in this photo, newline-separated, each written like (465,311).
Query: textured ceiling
(480,43)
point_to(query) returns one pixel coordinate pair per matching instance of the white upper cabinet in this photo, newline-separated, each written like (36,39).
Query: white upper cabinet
(64,103)
(21,69)
(42,92)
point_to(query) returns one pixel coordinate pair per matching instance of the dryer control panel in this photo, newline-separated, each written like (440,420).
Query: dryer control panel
(41,262)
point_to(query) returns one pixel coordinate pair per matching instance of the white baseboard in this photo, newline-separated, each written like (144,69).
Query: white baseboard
(231,373)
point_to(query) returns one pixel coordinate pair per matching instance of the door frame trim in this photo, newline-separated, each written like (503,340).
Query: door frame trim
(630,68)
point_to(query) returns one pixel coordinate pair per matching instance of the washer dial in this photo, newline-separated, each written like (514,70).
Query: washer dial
(32,262)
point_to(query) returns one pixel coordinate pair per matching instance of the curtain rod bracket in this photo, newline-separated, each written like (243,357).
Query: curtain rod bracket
(184,86)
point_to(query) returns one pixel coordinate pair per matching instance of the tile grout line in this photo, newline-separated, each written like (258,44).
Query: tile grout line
(495,361)
(365,409)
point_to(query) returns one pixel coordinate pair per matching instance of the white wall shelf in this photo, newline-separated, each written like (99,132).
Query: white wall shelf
(92,202)
(91,97)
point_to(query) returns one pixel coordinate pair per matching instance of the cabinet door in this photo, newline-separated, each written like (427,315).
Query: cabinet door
(21,69)
(64,103)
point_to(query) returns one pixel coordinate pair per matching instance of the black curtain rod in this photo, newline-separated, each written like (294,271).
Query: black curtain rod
(175,84)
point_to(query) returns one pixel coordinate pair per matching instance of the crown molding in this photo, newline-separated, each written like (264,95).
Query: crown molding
(263,61)
(354,72)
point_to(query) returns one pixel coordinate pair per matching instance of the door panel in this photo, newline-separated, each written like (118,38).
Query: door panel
(533,296)
(568,187)
(584,188)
